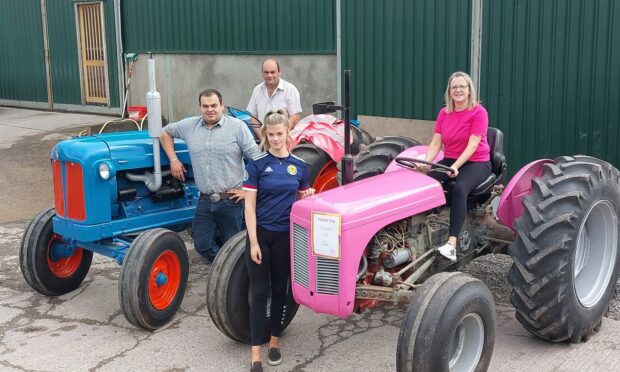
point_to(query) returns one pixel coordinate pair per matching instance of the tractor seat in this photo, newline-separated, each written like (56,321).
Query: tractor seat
(495,138)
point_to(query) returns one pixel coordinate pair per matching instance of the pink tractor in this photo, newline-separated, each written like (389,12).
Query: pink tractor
(375,240)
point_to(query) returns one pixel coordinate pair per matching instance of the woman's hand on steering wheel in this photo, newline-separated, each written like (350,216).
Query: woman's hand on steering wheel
(424,166)
(454,173)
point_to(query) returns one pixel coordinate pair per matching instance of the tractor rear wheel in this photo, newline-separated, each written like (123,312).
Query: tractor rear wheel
(449,325)
(153,278)
(228,293)
(566,257)
(49,265)
(322,170)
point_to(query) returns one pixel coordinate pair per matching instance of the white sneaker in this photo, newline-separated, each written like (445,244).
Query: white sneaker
(448,251)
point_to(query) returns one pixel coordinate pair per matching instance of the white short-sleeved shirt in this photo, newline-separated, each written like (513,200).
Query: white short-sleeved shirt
(286,96)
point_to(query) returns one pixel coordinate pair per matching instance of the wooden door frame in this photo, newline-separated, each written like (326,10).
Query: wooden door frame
(79,48)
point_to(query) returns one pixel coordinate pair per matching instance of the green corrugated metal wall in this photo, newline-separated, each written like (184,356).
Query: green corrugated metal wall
(550,77)
(64,53)
(401,52)
(231,26)
(22,60)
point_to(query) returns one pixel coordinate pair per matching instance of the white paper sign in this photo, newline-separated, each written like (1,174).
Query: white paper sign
(326,234)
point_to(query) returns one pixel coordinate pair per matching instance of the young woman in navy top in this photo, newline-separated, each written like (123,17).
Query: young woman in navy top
(275,179)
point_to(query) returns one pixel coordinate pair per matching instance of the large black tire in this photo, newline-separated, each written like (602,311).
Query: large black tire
(228,293)
(569,226)
(378,155)
(314,157)
(46,275)
(153,278)
(449,326)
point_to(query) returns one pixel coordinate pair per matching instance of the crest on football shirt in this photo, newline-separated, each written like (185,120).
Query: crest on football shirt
(291,169)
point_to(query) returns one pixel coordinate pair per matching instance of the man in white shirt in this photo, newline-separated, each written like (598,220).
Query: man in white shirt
(274,94)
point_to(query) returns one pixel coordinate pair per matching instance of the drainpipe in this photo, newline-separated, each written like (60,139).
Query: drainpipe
(339,49)
(476,42)
(46,51)
(119,51)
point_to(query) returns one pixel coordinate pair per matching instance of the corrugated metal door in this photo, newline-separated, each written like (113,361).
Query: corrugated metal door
(22,60)
(548,77)
(92,52)
(401,52)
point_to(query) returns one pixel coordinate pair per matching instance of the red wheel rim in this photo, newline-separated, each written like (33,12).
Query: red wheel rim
(164,280)
(66,266)
(327,178)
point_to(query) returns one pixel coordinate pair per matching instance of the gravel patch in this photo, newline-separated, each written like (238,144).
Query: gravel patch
(492,269)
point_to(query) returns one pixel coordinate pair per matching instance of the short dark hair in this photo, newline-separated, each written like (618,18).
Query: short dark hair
(210,92)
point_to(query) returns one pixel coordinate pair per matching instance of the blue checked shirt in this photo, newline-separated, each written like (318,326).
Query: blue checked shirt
(217,154)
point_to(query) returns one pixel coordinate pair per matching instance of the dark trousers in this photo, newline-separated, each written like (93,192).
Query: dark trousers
(223,218)
(471,174)
(276,264)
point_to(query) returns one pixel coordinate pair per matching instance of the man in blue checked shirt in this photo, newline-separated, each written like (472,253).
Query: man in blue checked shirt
(217,145)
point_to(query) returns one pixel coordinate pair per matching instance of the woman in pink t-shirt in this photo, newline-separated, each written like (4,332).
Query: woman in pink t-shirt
(462,130)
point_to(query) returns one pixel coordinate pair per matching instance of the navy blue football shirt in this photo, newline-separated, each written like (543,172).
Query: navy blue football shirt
(277,181)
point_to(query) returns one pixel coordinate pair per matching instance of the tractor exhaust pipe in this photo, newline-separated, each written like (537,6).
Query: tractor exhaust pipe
(153,107)
(347,159)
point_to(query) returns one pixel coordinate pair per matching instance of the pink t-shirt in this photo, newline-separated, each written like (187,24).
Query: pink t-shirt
(456,128)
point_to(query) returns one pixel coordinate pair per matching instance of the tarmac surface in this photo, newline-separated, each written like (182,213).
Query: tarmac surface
(86,331)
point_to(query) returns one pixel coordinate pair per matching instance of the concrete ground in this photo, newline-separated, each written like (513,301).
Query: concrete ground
(86,331)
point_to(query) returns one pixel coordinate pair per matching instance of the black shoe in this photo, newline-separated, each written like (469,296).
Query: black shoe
(275,357)
(256,367)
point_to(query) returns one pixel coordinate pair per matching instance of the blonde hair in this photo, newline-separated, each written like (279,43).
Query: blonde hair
(473,99)
(274,117)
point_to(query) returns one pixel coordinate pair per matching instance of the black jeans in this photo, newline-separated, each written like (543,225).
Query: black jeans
(276,264)
(471,174)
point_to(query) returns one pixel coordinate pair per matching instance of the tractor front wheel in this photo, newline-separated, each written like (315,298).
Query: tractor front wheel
(566,256)
(449,326)
(49,265)
(153,278)
(229,296)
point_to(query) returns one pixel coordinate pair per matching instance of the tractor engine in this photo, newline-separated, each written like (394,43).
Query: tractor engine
(400,243)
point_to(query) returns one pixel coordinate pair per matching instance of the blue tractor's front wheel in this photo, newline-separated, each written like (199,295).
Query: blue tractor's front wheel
(50,265)
(153,278)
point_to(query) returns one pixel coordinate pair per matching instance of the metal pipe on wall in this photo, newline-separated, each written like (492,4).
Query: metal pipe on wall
(119,51)
(476,42)
(46,51)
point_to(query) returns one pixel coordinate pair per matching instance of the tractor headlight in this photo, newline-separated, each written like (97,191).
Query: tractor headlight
(104,171)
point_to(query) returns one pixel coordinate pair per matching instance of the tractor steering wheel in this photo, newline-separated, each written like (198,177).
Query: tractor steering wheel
(410,163)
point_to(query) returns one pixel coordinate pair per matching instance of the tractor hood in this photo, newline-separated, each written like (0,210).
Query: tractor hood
(81,150)
(383,197)
(131,150)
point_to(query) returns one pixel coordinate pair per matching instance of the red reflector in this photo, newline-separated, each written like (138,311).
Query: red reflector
(75,192)
(57,178)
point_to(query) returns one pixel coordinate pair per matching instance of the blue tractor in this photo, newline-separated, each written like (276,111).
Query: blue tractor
(114,195)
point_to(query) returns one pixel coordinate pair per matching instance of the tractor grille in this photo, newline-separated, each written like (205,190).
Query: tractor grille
(68,180)
(327,276)
(300,256)
(59,199)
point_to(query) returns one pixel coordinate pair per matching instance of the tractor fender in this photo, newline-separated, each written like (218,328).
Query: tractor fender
(415,152)
(510,207)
